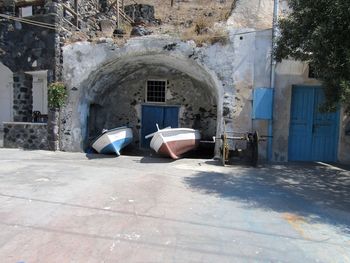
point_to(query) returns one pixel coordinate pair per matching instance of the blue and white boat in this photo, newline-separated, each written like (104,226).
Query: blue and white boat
(112,141)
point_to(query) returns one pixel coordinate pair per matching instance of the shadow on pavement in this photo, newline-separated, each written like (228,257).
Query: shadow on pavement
(315,191)
(151,159)
(93,156)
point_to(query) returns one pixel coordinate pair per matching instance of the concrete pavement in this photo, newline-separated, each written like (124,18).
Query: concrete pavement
(68,207)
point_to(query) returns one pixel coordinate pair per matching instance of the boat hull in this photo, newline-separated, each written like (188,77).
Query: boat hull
(175,142)
(113,141)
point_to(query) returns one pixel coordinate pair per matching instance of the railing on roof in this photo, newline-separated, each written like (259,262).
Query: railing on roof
(118,5)
(74,13)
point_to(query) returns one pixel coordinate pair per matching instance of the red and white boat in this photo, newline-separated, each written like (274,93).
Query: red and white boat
(174,141)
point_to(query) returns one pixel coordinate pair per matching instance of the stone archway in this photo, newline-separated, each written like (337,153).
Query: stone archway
(122,74)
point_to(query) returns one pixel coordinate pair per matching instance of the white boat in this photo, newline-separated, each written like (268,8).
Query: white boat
(112,141)
(174,141)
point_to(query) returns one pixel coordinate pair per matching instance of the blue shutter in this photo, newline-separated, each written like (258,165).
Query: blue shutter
(262,103)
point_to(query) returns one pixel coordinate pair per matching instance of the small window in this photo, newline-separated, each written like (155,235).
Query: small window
(156,90)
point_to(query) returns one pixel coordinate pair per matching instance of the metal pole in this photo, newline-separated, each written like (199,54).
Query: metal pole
(76,13)
(118,14)
(273,76)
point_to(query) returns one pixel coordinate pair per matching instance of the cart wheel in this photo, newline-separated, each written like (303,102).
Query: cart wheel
(255,149)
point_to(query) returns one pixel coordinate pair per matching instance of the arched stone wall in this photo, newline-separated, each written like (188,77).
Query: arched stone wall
(91,71)
(121,102)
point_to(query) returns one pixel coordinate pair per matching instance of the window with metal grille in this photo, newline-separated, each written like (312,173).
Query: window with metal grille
(156,90)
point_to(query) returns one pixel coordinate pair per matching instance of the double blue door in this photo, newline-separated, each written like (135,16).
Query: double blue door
(313,135)
(164,116)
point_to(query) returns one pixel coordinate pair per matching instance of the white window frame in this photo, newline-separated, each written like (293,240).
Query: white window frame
(39,87)
(165,91)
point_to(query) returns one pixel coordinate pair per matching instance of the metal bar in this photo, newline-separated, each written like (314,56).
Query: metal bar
(273,76)
(76,11)
(70,24)
(118,18)
(69,9)
(244,138)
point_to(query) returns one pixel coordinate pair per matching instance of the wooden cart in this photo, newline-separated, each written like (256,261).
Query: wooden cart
(252,139)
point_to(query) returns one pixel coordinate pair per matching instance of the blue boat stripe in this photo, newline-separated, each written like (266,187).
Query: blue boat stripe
(116,146)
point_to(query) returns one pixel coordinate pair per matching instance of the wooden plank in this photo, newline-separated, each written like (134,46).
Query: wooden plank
(70,10)
(113,4)
(126,17)
(120,12)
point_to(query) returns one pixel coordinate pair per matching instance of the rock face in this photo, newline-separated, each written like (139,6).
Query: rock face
(254,13)
(140,31)
(29,48)
(141,13)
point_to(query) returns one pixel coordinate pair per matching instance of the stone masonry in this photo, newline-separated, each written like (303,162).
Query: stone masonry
(32,136)
(22,103)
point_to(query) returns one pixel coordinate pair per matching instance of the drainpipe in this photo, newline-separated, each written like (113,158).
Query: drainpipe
(272,77)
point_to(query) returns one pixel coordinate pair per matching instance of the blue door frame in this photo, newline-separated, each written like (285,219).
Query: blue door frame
(164,116)
(313,135)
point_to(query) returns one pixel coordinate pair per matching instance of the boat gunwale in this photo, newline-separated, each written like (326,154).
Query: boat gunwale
(105,133)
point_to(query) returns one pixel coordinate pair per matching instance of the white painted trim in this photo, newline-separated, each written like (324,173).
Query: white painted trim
(39,81)
(7,94)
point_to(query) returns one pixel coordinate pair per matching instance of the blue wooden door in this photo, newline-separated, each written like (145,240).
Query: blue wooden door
(164,116)
(312,135)
(325,131)
(300,132)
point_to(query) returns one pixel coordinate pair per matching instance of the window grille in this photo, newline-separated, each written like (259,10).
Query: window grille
(156,90)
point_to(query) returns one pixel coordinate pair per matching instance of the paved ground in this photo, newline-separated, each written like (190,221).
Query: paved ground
(66,207)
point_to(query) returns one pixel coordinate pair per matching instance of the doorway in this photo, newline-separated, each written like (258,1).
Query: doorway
(313,135)
(164,116)
(6,95)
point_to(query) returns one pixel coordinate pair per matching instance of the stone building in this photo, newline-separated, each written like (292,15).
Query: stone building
(160,79)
